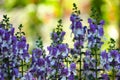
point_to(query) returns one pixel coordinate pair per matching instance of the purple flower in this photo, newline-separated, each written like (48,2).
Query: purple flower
(62,34)
(1,76)
(104,55)
(7,36)
(21,45)
(55,36)
(37,52)
(105,77)
(87,53)
(71,77)
(33,70)
(62,47)
(100,30)
(107,66)
(72,17)
(78,25)
(114,53)
(54,51)
(92,28)
(110,59)
(40,72)
(28,76)
(72,66)
(85,66)
(14,40)
(89,20)
(23,39)
(12,31)
(64,71)
(78,44)
(2,31)
(41,62)
(102,22)
(15,71)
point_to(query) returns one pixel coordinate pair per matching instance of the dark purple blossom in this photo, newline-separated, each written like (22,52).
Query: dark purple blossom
(41,62)
(62,34)
(105,77)
(114,53)
(15,71)
(73,17)
(110,60)
(102,22)
(72,66)
(64,71)
(89,20)
(71,77)
(78,44)
(92,28)
(101,31)
(104,55)
(78,25)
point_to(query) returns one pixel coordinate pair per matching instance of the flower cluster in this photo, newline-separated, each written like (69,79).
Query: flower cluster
(58,52)
(89,66)
(77,29)
(12,51)
(37,68)
(110,60)
(95,33)
(51,66)
(87,41)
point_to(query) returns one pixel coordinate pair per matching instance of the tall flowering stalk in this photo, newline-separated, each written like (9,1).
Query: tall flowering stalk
(79,36)
(5,42)
(38,65)
(12,51)
(92,35)
(58,51)
(22,48)
(95,35)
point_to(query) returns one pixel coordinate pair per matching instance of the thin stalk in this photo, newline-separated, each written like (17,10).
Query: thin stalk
(22,67)
(80,67)
(96,64)
(56,75)
(113,72)
(113,78)
(66,59)
(8,70)
(45,71)
(80,61)
(67,62)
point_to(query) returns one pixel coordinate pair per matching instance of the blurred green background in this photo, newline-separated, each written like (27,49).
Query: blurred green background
(39,17)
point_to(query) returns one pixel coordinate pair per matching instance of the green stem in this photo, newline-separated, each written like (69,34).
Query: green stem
(22,67)
(66,59)
(80,67)
(8,70)
(56,75)
(113,73)
(96,64)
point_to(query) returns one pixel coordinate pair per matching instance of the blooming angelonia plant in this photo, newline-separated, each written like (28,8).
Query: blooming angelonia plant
(110,61)
(13,51)
(58,52)
(85,61)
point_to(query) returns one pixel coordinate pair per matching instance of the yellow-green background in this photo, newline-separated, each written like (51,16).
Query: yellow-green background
(39,17)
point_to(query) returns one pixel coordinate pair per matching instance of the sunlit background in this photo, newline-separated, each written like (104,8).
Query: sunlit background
(39,17)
